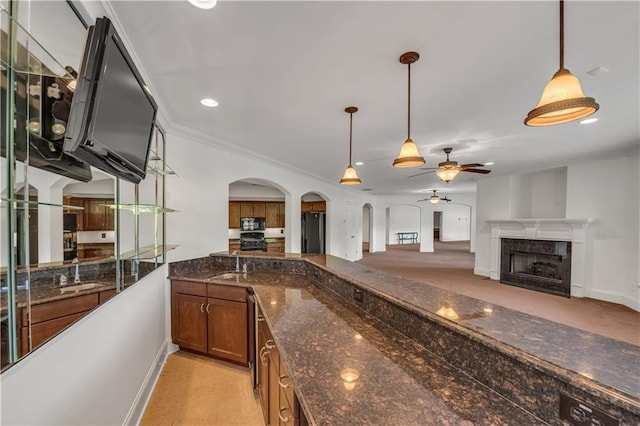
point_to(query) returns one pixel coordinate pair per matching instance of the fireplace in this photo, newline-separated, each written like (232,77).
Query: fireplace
(536,264)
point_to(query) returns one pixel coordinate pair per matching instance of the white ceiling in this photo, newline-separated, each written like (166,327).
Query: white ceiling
(283,72)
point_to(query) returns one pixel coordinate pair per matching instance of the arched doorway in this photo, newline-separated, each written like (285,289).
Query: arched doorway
(367,227)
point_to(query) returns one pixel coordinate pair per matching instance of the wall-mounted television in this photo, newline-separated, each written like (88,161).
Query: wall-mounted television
(112,114)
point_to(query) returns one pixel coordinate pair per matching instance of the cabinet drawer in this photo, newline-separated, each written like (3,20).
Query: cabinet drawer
(188,287)
(60,308)
(225,292)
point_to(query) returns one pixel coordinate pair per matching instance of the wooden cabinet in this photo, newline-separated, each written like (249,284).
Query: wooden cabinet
(95,250)
(278,400)
(234,215)
(48,319)
(274,212)
(96,216)
(234,245)
(211,318)
(313,206)
(275,215)
(277,246)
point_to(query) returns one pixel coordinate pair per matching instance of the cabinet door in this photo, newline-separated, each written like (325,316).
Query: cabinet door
(109,216)
(272,213)
(274,393)
(246,209)
(78,202)
(259,209)
(234,215)
(93,215)
(228,332)
(306,206)
(281,215)
(263,370)
(319,206)
(189,321)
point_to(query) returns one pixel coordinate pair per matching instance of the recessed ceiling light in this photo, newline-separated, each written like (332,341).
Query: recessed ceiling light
(359,163)
(204,4)
(208,102)
(589,121)
(490,163)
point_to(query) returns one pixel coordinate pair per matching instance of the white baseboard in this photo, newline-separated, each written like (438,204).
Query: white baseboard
(144,394)
(614,298)
(482,272)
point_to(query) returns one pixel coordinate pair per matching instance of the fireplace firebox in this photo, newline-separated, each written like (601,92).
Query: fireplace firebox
(536,264)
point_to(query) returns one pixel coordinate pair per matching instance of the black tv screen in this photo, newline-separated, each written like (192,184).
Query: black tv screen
(112,113)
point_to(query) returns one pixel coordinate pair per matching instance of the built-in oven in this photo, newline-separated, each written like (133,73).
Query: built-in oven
(252,241)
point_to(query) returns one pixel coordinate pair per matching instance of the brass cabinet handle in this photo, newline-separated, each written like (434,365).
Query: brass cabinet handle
(264,358)
(208,308)
(270,344)
(260,318)
(283,419)
(284,385)
(202,308)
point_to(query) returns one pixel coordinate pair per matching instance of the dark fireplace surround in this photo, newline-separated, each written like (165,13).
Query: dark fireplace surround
(537,265)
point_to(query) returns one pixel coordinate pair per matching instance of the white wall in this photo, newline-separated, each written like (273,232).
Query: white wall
(605,190)
(403,219)
(456,222)
(541,194)
(100,370)
(201,193)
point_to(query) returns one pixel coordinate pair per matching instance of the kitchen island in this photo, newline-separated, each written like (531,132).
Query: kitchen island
(415,367)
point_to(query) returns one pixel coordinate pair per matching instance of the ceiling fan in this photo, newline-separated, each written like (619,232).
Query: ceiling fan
(447,170)
(434,199)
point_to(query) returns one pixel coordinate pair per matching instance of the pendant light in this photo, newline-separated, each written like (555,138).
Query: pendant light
(409,155)
(562,98)
(350,177)
(434,198)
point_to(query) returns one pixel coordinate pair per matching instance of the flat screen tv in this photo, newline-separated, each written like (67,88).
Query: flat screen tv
(112,114)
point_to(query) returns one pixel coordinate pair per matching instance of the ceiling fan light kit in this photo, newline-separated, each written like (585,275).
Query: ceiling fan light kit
(447,173)
(562,98)
(409,154)
(350,176)
(434,198)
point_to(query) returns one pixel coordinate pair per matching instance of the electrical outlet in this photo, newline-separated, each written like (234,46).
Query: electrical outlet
(578,413)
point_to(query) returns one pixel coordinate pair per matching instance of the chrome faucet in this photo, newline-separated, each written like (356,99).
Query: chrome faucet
(244,268)
(76,279)
(63,279)
(235,253)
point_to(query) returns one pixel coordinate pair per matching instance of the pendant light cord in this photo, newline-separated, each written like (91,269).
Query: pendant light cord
(561,34)
(409,102)
(350,133)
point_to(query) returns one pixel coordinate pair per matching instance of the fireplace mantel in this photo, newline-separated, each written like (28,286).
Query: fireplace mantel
(574,230)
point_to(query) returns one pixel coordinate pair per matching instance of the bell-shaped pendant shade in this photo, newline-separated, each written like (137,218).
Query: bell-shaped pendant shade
(409,155)
(350,176)
(562,101)
(447,174)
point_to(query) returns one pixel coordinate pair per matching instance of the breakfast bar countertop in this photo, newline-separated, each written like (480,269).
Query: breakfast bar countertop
(400,382)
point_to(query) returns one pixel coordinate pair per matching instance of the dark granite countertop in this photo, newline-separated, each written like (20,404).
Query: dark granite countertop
(400,382)
(589,361)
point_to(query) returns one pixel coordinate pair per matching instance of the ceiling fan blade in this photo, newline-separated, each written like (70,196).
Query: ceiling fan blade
(429,168)
(484,172)
(466,166)
(420,174)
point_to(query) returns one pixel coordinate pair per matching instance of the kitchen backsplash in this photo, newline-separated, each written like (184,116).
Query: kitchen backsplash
(85,237)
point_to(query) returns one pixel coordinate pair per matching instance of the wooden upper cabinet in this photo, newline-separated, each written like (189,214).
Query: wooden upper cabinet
(281,215)
(273,215)
(313,206)
(97,216)
(234,215)
(259,209)
(246,209)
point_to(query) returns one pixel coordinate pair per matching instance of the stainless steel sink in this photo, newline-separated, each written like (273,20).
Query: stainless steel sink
(80,287)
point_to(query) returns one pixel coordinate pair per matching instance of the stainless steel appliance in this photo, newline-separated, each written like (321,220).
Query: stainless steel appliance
(313,232)
(252,241)
(253,223)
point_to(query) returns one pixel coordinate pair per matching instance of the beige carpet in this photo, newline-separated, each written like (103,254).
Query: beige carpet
(196,390)
(450,267)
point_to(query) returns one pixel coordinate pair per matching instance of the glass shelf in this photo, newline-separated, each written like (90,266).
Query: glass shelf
(141,208)
(158,166)
(148,252)
(4,201)
(30,56)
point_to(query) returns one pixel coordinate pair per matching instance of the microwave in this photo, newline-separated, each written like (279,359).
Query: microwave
(252,223)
